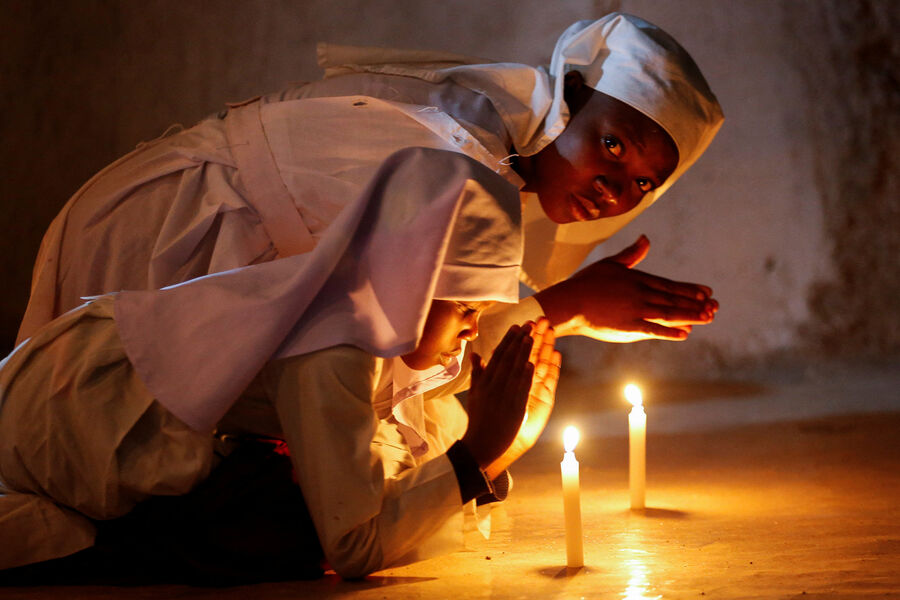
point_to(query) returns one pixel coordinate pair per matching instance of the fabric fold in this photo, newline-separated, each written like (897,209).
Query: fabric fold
(620,55)
(367,283)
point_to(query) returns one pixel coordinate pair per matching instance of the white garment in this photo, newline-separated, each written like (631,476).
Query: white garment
(177,208)
(430,224)
(81,436)
(407,401)
(373,506)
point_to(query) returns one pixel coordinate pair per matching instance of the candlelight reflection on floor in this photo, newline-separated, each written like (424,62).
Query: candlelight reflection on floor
(766,510)
(639,586)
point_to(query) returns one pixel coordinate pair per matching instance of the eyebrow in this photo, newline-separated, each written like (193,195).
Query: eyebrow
(639,140)
(635,135)
(658,180)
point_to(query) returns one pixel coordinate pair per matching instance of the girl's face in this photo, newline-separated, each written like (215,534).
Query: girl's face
(449,322)
(606,159)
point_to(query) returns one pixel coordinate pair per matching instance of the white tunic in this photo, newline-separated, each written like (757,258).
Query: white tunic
(180,207)
(83,437)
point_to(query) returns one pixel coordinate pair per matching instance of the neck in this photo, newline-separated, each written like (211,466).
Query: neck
(523,166)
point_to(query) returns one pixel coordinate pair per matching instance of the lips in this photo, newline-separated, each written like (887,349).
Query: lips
(447,357)
(585,209)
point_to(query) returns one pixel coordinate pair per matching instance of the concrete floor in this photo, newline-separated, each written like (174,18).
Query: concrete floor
(806,506)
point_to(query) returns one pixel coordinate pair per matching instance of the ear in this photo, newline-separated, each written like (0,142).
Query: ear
(573,81)
(574,90)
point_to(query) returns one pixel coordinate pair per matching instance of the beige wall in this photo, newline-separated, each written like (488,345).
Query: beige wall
(793,214)
(757,218)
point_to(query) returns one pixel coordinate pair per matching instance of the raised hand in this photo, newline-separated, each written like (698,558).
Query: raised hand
(613,302)
(541,397)
(499,395)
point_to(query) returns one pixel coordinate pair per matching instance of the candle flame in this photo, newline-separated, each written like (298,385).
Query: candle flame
(633,394)
(570,438)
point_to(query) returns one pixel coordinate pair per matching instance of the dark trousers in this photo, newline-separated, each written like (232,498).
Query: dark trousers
(246,523)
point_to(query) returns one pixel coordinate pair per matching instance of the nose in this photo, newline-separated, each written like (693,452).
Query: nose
(608,188)
(470,329)
(617,193)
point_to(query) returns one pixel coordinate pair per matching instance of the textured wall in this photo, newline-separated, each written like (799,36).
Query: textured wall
(85,80)
(853,92)
(791,216)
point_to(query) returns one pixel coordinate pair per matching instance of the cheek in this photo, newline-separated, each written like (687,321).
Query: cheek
(577,160)
(553,203)
(627,204)
(442,337)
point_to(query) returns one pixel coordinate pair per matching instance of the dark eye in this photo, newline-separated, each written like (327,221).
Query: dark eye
(644,184)
(465,309)
(613,145)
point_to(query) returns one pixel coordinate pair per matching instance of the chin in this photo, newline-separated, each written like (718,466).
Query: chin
(556,208)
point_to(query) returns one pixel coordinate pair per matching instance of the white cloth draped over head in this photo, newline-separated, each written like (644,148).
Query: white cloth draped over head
(620,55)
(431,224)
(641,65)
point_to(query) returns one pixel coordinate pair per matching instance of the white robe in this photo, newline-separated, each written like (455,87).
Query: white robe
(83,437)
(179,207)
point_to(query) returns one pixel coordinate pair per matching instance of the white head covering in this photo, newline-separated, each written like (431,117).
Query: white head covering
(431,224)
(620,55)
(641,65)
(321,299)
(636,62)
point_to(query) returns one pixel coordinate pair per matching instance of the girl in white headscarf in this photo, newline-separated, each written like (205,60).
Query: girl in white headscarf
(266,178)
(333,350)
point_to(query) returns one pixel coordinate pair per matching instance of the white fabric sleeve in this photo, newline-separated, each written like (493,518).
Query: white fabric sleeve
(365,521)
(445,422)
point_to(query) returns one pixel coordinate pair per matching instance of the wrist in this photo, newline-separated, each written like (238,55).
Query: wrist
(563,319)
(493,470)
(472,479)
(472,451)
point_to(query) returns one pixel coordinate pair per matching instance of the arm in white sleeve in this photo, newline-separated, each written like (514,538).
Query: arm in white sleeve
(364,521)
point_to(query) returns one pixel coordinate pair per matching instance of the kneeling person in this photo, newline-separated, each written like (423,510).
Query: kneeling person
(349,354)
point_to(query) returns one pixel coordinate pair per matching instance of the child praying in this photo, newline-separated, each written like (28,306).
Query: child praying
(348,354)
(310,266)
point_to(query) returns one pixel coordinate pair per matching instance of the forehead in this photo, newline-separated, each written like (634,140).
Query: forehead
(477,304)
(603,113)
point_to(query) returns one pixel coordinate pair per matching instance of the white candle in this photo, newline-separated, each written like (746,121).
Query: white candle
(572,500)
(637,440)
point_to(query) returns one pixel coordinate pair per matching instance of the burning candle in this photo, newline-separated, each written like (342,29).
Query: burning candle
(572,500)
(637,441)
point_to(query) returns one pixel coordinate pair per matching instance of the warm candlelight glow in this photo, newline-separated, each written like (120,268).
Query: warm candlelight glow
(638,581)
(572,500)
(637,452)
(633,394)
(570,438)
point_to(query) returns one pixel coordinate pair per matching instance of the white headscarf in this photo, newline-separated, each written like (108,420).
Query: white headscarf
(620,55)
(427,226)
(641,65)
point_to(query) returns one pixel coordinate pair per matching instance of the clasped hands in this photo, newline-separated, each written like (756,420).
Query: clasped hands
(511,397)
